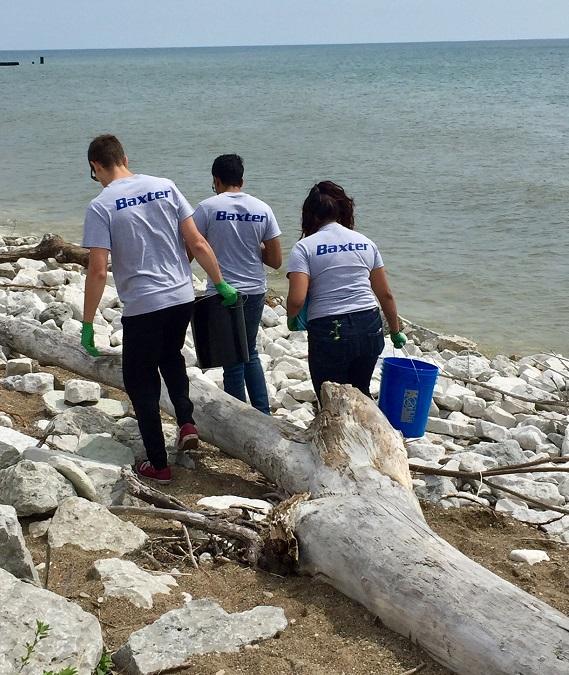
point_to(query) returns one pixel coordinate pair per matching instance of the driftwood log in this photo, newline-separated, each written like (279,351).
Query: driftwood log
(362,529)
(51,246)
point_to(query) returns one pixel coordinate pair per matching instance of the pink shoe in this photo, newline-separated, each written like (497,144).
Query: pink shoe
(188,438)
(146,470)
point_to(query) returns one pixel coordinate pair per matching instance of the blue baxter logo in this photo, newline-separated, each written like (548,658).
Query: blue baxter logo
(409,408)
(323,249)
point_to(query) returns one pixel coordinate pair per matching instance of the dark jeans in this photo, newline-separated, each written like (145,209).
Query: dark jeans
(152,345)
(251,374)
(344,349)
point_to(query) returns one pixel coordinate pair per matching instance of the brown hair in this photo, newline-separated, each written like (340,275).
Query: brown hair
(345,203)
(107,150)
(318,210)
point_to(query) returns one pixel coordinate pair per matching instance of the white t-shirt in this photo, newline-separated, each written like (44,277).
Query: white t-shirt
(339,262)
(138,219)
(235,224)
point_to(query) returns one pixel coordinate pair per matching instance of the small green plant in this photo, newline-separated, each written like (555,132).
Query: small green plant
(41,632)
(105,664)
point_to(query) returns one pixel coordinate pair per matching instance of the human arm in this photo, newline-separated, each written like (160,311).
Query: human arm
(94,287)
(197,246)
(380,286)
(298,283)
(271,253)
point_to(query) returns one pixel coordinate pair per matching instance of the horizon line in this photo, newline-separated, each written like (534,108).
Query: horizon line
(298,44)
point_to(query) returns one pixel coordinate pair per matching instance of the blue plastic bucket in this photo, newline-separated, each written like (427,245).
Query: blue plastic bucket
(406,393)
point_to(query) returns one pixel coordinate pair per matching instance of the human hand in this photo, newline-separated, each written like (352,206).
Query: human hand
(88,339)
(227,292)
(399,339)
(292,323)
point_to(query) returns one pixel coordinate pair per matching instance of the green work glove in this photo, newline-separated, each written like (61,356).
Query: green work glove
(88,339)
(292,323)
(227,292)
(399,339)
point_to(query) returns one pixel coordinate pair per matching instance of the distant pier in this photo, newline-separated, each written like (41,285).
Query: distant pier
(9,63)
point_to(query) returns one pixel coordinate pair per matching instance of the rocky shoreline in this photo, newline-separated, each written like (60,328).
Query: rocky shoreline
(487,413)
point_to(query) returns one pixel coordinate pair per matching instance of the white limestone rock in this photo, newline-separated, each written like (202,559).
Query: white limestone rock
(83,485)
(472,461)
(303,391)
(6,420)
(200,627)
(54,277)
(9,455)
(529,556)
(31,383)
(92,527)
(106,450)
(468,367)
(269,317)
(14,555)
(519,510)
(19,366)
(74,297)
(33,488)
(106,478)
(494,432)
(16,438)
(117,337)
(505,453)
(54,402)
(558,530)
(494,413)
(112,407)
(124,579)
(74,638)
(548,493)
(473,406)
(30,264)
(82,391)
(39,528)
(448,427)
(426,451)
(529,437)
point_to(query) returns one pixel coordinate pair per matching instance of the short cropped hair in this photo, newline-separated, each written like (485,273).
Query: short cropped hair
(107,150)
(229,169)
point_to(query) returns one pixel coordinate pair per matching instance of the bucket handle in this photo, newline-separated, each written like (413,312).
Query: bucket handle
(408,356)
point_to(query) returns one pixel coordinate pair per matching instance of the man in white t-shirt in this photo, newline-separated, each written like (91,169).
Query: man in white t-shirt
(146,224)
(244,234)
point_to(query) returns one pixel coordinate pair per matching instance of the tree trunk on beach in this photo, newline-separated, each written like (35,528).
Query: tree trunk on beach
(358,525)
(51,246)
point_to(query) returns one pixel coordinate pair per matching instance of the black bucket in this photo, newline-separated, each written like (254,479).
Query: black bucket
(219,332)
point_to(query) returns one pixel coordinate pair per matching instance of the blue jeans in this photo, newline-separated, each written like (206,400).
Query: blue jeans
(344,349)
(251,374)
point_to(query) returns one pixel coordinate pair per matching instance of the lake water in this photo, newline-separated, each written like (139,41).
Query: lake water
(457,155)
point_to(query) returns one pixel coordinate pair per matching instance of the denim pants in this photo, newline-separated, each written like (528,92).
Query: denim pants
(250,374)
(152,345)
(344,348)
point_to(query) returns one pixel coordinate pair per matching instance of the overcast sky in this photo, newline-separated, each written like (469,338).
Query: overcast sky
(75,24)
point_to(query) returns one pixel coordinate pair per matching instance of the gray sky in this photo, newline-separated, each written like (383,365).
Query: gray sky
(75,24)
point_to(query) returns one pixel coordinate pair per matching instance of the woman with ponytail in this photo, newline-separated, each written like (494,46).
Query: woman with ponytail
(341,273)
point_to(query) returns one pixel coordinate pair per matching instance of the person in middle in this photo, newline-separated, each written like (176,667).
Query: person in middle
(342,273)
(243,233)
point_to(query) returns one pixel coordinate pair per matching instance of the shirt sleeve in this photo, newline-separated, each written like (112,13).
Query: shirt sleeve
(272,229)
(377,259)
(200,219)
(183,206)
(298,260)
(97,227)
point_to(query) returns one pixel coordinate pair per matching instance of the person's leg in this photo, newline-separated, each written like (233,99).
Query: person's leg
(329,351)
(172,363)
(369,343)
(234,381)
(142,340)
(253,370)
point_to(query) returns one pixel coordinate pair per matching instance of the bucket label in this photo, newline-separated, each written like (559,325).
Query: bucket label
(409,408)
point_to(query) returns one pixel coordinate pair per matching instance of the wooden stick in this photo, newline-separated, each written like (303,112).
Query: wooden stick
(190,549)
(220,526)
(418,669)
(150,495)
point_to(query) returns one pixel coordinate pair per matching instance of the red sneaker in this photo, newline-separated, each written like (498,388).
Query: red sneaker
(146,470)
(188,438)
